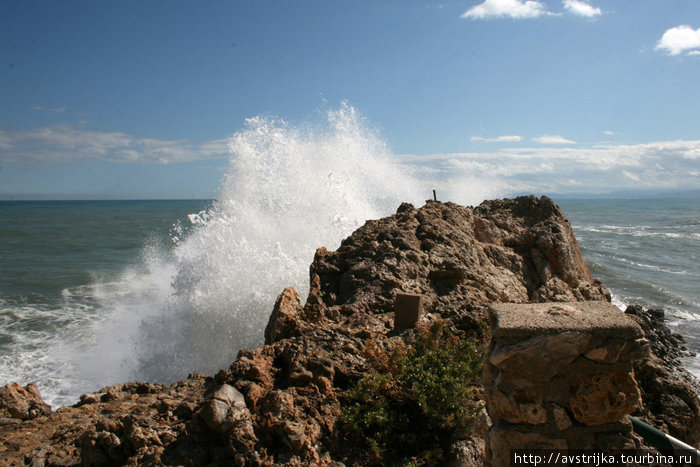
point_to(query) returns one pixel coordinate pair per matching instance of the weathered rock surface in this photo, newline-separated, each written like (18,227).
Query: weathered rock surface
(22,402)
(669,391)
(279,403)
(124,424)
(285,314)
(505,251)
(561,374)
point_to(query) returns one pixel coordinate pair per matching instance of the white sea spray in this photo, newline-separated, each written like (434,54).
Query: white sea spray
(288,190)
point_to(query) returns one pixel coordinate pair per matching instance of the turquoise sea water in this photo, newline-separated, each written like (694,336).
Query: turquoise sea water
(97,292)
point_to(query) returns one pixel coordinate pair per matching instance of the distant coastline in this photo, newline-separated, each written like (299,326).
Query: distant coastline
(630,194)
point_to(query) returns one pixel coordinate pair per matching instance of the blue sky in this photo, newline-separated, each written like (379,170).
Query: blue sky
(137,99)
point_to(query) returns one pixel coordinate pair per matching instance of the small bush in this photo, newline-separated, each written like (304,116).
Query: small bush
(422,402)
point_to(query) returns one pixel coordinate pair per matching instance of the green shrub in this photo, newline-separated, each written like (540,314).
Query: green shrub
(421,402)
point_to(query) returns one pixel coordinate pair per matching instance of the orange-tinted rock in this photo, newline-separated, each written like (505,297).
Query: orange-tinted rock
(22,402)
(283,320)
(605,398)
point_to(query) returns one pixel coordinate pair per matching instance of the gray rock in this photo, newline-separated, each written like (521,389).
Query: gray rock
(225,409)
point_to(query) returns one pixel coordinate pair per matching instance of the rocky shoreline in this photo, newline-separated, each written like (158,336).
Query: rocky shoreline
(279,404)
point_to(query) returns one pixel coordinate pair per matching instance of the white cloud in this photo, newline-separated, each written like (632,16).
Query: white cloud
(66,143)
(581,8)
(663,165)
(506,9)
(680,39)
(548,139)
(57,110)
(609,133)
(498,139)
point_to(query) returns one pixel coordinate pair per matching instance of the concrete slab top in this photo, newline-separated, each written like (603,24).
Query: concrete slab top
(528,319)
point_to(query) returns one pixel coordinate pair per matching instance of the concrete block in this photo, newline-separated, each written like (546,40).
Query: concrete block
(407,310)
(517,321)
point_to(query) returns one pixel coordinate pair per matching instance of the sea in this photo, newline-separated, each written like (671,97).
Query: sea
(646,251)
(94,293)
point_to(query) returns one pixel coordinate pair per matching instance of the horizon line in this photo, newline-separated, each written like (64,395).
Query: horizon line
(618,194)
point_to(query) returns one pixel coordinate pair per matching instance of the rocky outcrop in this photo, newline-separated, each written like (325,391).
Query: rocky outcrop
(22,402)
(505,251)
(669,391)
(117,425)
(280,403)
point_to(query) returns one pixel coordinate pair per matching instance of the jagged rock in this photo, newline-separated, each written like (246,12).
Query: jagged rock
(100,448)
(284,317)
(89,399)
(669,347)
(294,435)
(22,402)
(140,421)
(300,376)
(669,392)
(507,250)
(459,259)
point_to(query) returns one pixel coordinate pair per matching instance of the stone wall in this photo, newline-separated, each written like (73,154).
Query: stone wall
(559,376)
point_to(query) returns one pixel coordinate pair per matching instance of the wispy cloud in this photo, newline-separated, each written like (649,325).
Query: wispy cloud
(597,169)
(680,39)
(631,176)
(57,110)
(550,139)
(581,8)
(497,139)
(506,9)
(609,133)
(66,143)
